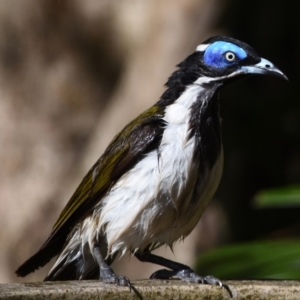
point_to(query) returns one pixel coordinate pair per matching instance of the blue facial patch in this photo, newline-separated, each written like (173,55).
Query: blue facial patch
(214,54)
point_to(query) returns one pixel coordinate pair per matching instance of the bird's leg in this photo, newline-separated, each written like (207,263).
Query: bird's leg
(107,275)
(181,271)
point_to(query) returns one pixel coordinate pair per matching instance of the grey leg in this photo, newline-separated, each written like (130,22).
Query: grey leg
(107,275)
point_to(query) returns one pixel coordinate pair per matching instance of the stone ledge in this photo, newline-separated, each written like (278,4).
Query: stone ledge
(150,289)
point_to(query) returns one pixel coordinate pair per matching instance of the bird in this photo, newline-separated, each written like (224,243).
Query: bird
(155,179)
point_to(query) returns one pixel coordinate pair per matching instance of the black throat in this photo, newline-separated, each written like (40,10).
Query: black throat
(205,127)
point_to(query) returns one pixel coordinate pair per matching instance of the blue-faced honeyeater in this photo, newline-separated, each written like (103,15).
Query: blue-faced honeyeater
(154,180)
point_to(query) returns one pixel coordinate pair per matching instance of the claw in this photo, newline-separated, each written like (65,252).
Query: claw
(123,281)
(212,280)
(215,281)
(111,278)
(190,276)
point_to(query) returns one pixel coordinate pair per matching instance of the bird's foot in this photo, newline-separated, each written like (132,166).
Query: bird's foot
(108,276)
(189,275)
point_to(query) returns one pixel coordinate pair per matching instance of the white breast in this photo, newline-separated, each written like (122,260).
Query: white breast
(151,203)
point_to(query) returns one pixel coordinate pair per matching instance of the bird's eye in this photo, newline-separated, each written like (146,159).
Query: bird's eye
(230,56)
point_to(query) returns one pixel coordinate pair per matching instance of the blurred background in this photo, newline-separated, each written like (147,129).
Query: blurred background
(73,73)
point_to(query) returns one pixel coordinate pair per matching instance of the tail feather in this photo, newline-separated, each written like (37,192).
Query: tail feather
(72,265)
(38,260)
(74,262)
(64,269)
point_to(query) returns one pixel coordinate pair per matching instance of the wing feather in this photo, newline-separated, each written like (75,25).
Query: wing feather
(127,148)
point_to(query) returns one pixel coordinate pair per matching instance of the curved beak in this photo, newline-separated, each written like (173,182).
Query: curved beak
(264,67)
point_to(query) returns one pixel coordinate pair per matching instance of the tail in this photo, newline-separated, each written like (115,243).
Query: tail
(42,257)
(75,260)
(72,263)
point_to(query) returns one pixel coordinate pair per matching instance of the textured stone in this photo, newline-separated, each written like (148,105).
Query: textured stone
(150,289)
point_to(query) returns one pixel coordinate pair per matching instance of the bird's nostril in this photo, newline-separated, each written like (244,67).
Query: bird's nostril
(268,66)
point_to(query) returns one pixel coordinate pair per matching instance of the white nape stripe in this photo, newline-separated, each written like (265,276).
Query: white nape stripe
(202,47)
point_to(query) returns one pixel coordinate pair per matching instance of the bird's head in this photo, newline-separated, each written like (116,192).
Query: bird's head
(221,59)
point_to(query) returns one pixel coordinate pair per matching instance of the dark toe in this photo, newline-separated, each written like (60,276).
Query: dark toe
(212,280)
(215,281)
(123,281)
(190,276)
(117,280)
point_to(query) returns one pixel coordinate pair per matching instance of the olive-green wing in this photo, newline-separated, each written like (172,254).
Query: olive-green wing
(126,149)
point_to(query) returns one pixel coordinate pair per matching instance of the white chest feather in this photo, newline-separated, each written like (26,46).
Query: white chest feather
(151,204)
